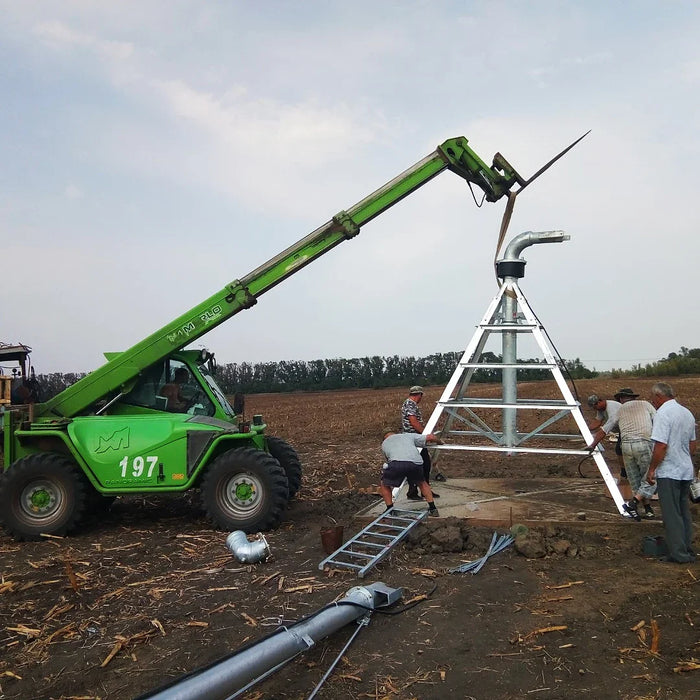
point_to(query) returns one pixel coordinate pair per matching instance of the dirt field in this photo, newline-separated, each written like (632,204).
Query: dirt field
(151,592)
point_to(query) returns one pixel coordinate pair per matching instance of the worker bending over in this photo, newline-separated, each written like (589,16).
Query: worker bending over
(404,461)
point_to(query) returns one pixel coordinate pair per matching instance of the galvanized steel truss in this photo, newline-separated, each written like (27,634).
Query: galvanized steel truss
(509,316)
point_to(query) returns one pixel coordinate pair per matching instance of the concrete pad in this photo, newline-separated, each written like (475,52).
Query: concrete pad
(532,502)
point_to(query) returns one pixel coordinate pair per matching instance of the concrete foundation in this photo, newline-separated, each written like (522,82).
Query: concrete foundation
(532,502)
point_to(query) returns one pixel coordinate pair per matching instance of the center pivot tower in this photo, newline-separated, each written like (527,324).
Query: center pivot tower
(468,422)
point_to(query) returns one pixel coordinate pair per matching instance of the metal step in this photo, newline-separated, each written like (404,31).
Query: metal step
(369,546)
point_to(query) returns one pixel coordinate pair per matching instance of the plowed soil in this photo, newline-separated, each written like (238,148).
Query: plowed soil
(150,592)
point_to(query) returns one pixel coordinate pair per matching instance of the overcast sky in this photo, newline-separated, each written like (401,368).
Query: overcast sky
(154,151)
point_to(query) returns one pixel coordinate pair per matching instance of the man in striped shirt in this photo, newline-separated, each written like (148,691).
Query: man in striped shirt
(634,423)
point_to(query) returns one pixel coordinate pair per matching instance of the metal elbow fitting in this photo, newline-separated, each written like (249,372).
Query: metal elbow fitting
(245,551)
(512,265)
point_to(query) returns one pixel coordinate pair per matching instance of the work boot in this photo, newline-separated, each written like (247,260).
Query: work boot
(433,512)
(631,509)
(413,494)
(648,512)
(440,477)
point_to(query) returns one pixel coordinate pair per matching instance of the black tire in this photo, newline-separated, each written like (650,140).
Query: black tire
(245,489)
(42,494)
(287,456)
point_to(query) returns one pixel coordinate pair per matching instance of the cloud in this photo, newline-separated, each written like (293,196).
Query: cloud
(60,36)
(249,124)
(73,192)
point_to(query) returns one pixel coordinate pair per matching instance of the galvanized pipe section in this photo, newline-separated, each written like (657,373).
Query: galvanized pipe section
(528,238)
(510,378)
(247,552)
(510,313)
(223,679)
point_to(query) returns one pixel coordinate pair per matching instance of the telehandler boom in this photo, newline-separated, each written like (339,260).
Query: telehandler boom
(152,419)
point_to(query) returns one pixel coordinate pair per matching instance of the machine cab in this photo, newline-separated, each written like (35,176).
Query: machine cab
(182,383)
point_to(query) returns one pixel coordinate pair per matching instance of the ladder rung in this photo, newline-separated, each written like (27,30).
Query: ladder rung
(380,534)
(396,517)
(495,403)
(351,553)
(365,543)
(524,327)
(391,527)
(511,365)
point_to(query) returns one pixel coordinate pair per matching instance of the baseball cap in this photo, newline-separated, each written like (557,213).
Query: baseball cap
(626,392)
(593,399)
(416,389)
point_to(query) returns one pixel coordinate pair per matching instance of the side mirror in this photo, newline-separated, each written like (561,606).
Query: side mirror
(238,403)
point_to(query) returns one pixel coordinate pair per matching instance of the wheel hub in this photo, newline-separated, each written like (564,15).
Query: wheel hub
(242,495)
(244,491)
(39,499)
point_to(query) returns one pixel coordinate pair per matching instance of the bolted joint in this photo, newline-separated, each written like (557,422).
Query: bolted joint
(240,295)
(344,221)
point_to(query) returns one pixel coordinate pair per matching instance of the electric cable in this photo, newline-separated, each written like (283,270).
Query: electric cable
(562,363)
(580,471)
(478,204)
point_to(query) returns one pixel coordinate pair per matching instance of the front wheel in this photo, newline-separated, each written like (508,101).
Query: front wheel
(286,455)
(245,489)
(42,494)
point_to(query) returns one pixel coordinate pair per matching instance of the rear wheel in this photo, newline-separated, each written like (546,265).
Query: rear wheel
(41,494)
(286,455)
(245,489)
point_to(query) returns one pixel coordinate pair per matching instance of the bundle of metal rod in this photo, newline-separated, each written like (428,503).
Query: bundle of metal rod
(498,544)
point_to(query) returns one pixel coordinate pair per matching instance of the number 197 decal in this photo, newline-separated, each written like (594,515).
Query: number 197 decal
(138,466)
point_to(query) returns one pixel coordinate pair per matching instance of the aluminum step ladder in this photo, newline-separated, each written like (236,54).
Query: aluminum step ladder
(369,546)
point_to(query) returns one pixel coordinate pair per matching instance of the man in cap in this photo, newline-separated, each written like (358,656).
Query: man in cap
(605,409)
(412,422)
(404,461)
(634,422)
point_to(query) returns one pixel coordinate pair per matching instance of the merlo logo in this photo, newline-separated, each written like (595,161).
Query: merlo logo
(118,440)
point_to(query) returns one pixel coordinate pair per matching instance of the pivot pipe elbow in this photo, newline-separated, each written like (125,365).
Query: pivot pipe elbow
(245,551)
(512,265)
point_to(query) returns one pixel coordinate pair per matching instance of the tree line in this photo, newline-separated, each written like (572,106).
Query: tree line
(377,372)
(685,361)
(373,372)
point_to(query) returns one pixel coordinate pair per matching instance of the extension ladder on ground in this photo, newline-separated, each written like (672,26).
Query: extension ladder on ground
(369,546)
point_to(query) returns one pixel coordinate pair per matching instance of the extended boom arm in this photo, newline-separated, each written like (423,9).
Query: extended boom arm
(118,374)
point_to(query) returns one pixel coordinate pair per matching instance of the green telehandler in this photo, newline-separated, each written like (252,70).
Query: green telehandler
(153,420)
